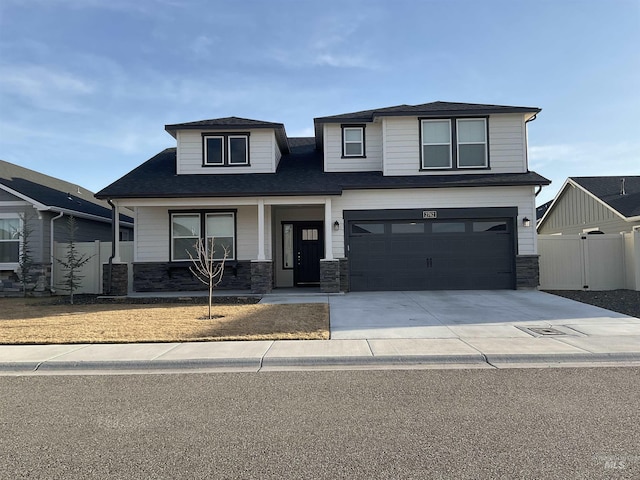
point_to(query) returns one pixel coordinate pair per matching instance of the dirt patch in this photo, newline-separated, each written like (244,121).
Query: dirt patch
(34,321)
(621,301)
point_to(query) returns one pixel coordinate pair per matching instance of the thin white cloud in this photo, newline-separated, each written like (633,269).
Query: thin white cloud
(45,87)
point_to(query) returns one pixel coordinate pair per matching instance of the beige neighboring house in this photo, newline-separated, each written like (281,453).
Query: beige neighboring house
(586,204)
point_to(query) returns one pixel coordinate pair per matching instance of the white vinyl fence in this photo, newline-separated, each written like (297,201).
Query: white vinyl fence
(92,270)
(590,262)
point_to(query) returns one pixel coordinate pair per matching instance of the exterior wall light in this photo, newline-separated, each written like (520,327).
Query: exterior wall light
(336,225)
(526,222)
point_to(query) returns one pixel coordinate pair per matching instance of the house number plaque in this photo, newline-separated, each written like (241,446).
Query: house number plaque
(429,214)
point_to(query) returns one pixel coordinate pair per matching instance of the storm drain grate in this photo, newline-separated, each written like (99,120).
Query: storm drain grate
(545,331)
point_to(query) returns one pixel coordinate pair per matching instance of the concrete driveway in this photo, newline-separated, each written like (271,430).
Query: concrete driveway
(507,314)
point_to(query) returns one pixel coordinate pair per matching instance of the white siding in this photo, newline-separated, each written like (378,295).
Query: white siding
(333,160)
(153,231)
(520,197)
(261,153)
(507,146)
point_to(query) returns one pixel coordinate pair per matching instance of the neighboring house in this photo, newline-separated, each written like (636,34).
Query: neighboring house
(584,204)
(46,203)
(412,197)
(542,209)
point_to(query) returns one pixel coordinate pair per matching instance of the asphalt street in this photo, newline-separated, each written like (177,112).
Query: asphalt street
(518,423)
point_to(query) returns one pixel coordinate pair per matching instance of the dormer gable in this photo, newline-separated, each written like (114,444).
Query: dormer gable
(228,145)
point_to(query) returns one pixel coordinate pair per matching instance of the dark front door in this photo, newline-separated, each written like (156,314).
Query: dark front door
(308,248)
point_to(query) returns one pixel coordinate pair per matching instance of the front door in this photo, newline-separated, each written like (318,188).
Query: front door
(308,248)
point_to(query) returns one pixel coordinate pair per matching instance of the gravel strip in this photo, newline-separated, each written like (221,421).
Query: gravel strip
(621,301)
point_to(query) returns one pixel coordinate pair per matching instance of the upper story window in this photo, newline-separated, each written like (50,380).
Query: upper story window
(225,149)
(353,141)
(453,144)
(217,228)
(9,240)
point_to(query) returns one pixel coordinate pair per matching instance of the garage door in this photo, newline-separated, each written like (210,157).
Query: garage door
(448,254)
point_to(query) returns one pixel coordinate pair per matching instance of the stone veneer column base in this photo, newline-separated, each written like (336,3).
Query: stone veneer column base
(344,275)
(329,276)
(527,271)
(261,276)
(119,279)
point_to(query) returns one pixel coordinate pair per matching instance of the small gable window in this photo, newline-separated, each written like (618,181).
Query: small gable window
(228,149)
(353,141)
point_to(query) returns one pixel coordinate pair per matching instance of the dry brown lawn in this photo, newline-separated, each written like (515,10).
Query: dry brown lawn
(31,321)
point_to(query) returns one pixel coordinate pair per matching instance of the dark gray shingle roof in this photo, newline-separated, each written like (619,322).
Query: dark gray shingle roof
(53,192)
(609,190)
(233,123)
(299,173)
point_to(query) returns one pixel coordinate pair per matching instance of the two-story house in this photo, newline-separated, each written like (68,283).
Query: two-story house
(411,197)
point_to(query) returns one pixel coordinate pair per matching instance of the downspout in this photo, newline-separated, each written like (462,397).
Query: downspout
(539,190)
(51,246)
(115,229)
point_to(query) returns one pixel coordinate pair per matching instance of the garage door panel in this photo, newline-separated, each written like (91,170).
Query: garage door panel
(428,255)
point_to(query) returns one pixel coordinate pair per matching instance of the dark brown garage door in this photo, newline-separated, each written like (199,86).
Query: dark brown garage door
(447,254)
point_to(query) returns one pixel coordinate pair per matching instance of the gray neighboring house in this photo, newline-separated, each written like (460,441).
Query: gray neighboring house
(583,204)
(46,203)
(411,197)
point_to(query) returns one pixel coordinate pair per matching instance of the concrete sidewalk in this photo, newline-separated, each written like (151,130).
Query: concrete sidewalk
(320,354)
(379,330)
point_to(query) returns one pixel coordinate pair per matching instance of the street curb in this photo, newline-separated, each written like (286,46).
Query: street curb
(370,360)
(563,358)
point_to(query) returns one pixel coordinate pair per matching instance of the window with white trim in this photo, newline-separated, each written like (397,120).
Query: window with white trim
(353,141)
(10,240)
(225,149)
(217,229)
(459,144)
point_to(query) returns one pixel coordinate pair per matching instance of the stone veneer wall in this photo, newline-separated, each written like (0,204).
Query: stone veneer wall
(261,276)
(168,277)
(527,271)
(329,276)
(119,279)
(39,282)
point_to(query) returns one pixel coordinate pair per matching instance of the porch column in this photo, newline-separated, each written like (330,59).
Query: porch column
(116,233)
(261,255)
(328,230)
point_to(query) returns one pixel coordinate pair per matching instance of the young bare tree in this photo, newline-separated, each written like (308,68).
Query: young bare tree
(25,259)
(206,268)
(73,262)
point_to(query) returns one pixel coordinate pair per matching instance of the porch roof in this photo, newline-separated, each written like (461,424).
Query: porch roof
(299,173)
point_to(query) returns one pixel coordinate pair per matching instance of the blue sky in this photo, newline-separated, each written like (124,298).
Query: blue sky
(86,86)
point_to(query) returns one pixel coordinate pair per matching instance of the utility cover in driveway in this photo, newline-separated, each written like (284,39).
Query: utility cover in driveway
(448,254)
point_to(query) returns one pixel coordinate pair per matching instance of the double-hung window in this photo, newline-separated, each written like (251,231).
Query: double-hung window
(215,229)
(353,141)
(472,142)
(436,144)
(225,149)
(454,144)
(9,240)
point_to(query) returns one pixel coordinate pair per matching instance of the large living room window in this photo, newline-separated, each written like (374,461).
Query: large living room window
(453,144)
(225,149)
(217,228)
(9,240)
